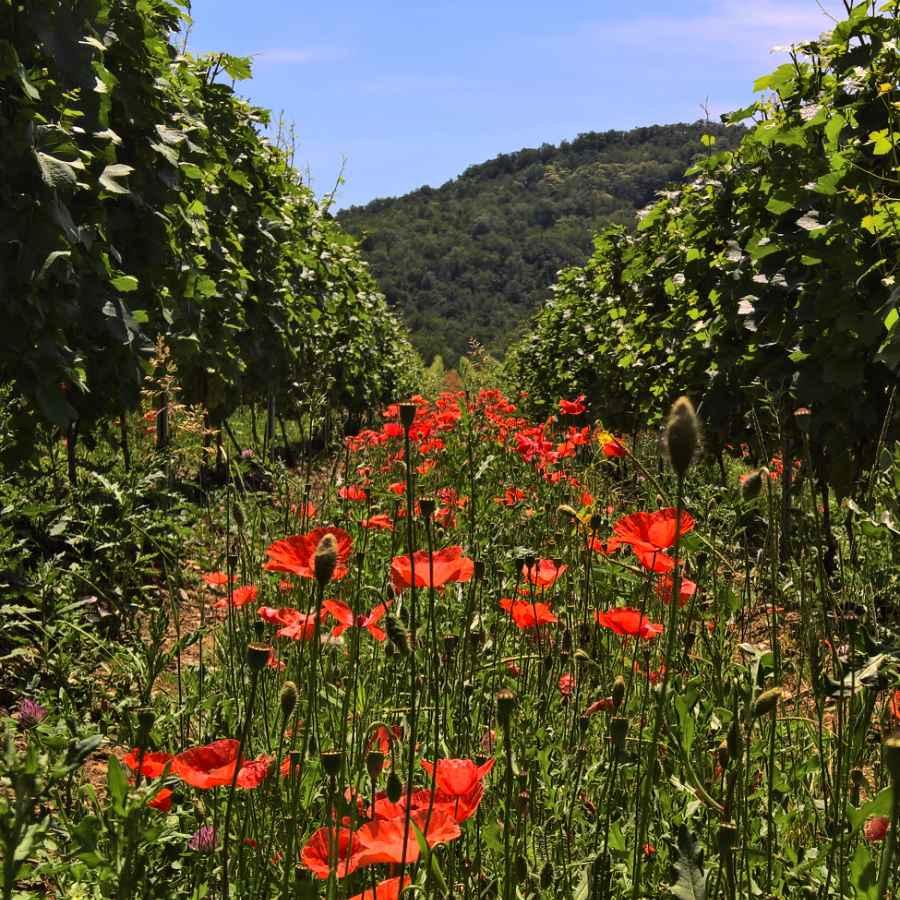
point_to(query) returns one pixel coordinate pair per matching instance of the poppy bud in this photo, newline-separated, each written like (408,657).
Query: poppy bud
(892,757)
(325,559)
(506,705)
(802,417)
(427,506)
(479,569)
(752,485)
(374,763)
(257,656)
(584,722)
(618,732)
(618,692)
(397,634)
(288,698)
(394,788)
(766,702)
(407,415)
(565,643)
(682,435)
(313,744)
(331,762)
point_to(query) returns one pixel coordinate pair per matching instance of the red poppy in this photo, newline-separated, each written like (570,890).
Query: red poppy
(385,890)
(296,554)
(573,407)
(354,493)
(566,684)
(876,828)
(216,579)
(294,624)
(544,573)
(426,466)
(213,766)
(611,446)
(653,560)
(629,622)
(315,855)
(162,801)
(528,615)
(239,597)
(686,589)
(651,531)
(382,839)
(346,619)
(447,565)
(604,704)
(461,808)
(457,776)
(378,522)
(304,510)
(511,497)
(153,763)
(895,705)
(398,488)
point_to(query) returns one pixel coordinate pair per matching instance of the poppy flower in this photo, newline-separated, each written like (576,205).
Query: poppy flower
(526,614)
(446,565)
(544,573)
(239,597)
(213,766)
(304,510)
(566,684)
(296,554)
(315,854)
(573,407)
(651,531)
(216,579)
(686,589)
(398,488)
(656,561)
(378,522)
(385,890)
(512,496)
(346,619)
(152,763)
(426,466)
(604,704)
(354,493)
(297,626)
(382,839)
(456,776)
(611,446)
(629,622)
(895,705)
(461,808)
(876,828)
(162,801)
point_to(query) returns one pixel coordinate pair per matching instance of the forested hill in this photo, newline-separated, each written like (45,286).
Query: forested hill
(476,256)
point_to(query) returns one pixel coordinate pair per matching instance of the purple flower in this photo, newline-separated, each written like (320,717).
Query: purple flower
(31,713)
(247,454)
(203,839)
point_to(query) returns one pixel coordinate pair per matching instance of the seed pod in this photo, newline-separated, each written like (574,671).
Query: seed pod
(394,788)
(682,435)
(565,643)
(407,415)
(506,705)
(325,559)
(618,732)
(596,522)
(258,656)
(397,634)
(288,698)
(618,692)
(331,762)
(374,763)
(766,702)
(427,506)
(892,757)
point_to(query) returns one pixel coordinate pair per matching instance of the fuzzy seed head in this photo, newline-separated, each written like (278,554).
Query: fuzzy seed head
(682,435)
(325,559)
(288,698)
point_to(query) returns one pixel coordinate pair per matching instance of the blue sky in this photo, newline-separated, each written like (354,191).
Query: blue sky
(405,94)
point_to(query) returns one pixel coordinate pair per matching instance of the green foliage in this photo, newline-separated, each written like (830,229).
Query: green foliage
(474,258)
(770,271)
(138,201)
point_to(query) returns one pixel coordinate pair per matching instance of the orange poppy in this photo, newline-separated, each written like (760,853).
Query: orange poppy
(446,565)
(686,589)
(650,531)
(346,619)
(382,840)
(162,801)
(316,852)
(296,554)
(378,522)
(153,763)
(213,766)
(385,890)
(239,597)
(544,573)
(456,776)
(216,579)
(629,622)
(528,615)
